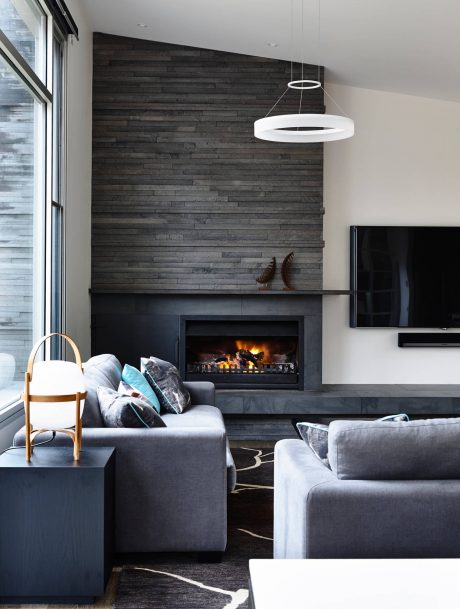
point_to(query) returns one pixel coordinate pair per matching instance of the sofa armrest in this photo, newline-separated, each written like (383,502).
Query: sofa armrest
(202,392)
(171,487)
(319,516)
(297,472)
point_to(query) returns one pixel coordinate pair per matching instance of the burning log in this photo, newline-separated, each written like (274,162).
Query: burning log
(222,359)
(246,356)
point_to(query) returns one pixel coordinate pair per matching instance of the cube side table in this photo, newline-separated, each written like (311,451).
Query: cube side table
(56,525)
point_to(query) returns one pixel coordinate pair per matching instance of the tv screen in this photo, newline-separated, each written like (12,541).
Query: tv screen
(405,277)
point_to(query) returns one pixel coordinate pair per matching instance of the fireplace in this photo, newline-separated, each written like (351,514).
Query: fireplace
(243,351)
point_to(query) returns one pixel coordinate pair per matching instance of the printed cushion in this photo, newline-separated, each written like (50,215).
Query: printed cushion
(316,437)
(125,389)
(131,376)
(166,382)
(125,411)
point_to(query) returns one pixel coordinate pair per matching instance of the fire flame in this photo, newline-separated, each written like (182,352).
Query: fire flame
(247,346)
(254,349)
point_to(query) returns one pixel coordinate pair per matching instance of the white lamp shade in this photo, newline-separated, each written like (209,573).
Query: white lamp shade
(50,378)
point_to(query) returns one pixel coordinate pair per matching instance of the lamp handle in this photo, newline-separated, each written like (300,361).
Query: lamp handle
(38,344)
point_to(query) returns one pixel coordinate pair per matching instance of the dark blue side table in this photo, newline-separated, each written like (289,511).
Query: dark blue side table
(56,525)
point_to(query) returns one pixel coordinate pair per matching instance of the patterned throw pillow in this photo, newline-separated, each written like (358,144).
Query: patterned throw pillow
(132,376)
(316,436)
(125,389)
(166,382)
(125,411)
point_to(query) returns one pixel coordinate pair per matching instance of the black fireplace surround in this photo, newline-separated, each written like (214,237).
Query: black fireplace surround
(243,352)
(138,325)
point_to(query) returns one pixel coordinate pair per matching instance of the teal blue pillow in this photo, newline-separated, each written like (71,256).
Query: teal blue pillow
(136,379)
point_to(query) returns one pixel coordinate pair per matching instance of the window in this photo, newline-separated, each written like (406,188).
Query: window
(32,60)
(24,24)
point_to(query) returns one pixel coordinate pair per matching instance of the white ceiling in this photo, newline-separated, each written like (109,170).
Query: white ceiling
(408,46)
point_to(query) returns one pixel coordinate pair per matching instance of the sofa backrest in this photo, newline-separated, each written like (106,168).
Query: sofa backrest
(409,450)
(101,370)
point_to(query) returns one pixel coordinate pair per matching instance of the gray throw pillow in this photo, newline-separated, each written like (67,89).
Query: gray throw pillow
(316,435)
(166,382)
(410,450)
(126,411)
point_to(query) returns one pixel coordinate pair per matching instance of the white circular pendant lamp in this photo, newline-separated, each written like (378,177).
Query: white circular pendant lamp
(304,128)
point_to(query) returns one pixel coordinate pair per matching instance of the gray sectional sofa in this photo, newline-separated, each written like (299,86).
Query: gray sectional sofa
(171,482)
(393,491)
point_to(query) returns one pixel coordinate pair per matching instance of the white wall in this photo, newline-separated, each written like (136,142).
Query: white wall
(402,167)
(78,210)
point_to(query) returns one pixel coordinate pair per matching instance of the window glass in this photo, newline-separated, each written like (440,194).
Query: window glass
(23,22)
(21,211)
(57,118)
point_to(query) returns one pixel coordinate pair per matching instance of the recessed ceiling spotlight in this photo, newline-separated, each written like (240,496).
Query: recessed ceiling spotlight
(272,44)
(142,25)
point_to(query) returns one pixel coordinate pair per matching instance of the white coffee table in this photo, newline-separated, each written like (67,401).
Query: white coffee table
(355,584)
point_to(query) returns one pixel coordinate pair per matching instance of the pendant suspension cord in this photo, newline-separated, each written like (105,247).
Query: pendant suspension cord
(301,51)
(319,66)
(292,38)
(335,102)
(277,102)
(319,41)
(302,43)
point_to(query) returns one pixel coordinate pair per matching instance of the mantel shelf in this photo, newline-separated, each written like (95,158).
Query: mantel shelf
(224,292)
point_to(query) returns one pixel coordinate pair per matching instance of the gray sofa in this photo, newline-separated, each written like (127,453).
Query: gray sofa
(171,482)
(393,492)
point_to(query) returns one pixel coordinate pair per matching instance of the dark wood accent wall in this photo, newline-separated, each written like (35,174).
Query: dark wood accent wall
(184,196)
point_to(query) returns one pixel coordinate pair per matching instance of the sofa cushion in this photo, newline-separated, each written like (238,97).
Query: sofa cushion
(166,382)
(119,410)
(200,415)
(102,370)
(380,450)
(131,376)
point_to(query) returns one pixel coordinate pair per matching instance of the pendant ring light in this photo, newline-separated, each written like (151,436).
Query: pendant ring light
(316,128)
(304,128)
(304,84)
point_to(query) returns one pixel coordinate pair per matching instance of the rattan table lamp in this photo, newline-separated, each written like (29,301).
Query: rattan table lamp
(54,396)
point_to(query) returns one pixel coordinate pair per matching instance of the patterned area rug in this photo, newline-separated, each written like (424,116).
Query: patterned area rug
(178,582)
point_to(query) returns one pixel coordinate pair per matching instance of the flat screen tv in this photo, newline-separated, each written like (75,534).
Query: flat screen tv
(405,277)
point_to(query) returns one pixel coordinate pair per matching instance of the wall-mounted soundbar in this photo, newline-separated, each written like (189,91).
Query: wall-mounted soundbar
(428,339)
